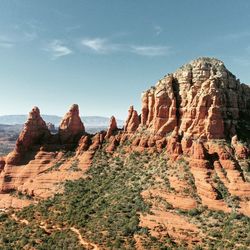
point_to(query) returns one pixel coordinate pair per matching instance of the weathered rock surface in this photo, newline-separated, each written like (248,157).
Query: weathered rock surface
(71,127)
(2,163)
(112,128)
(132,122)
(202,99)
(35,133)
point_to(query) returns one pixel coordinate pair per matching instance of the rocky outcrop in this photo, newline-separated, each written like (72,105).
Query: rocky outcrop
(202,99)
(241,151)
(71,128)
(112,128)
(34,133)
(132,122)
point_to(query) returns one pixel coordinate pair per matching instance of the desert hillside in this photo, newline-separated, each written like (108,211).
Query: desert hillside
(176,176)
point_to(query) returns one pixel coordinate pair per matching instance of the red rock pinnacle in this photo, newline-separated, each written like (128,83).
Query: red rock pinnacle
(35,131)
(132,122)
(112,127)
(71,126)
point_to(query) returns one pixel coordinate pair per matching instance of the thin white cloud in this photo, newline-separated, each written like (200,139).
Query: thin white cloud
(97,44)
(6,42)
(151,50)
(105,46)
(100,45)
(58,49)
(158,30)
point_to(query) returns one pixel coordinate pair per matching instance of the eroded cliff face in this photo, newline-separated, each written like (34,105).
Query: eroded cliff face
(197,115)
(200,100)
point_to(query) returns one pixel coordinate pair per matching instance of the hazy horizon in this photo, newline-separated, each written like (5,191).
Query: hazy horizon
(102,55)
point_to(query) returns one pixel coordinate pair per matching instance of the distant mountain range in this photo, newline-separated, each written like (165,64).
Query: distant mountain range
(89,121)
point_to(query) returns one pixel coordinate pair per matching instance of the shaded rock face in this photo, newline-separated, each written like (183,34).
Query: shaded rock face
(2,163)
(71,127)
(202,99)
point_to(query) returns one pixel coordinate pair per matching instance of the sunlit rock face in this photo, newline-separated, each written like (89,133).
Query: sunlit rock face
(202,99)
(35,132)
(71,126)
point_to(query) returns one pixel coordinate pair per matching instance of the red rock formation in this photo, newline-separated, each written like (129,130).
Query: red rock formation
(83,144)
(187,115)
(132,122)
(97,141)
(241,151)
(174,147)
(203,99)
(2,163)
(71,127)
(112,145)
(112,127)
(34,133)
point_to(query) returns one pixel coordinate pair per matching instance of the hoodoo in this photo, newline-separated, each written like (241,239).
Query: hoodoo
(133,121)
(34,133)
(112,127)
(71,127)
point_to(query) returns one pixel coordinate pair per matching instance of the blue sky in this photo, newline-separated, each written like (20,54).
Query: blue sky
(102,54)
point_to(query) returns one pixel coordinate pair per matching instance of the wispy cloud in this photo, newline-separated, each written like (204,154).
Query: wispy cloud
(100,45)
(6,42)
(105,46)
(58,49)
(158,30)
(151,50)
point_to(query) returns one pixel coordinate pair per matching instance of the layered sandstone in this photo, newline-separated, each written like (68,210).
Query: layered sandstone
(201,100)
(37,151)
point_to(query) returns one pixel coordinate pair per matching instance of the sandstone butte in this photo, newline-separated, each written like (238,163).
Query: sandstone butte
(200,113)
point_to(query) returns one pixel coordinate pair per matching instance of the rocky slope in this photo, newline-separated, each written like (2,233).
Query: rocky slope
(197,120)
